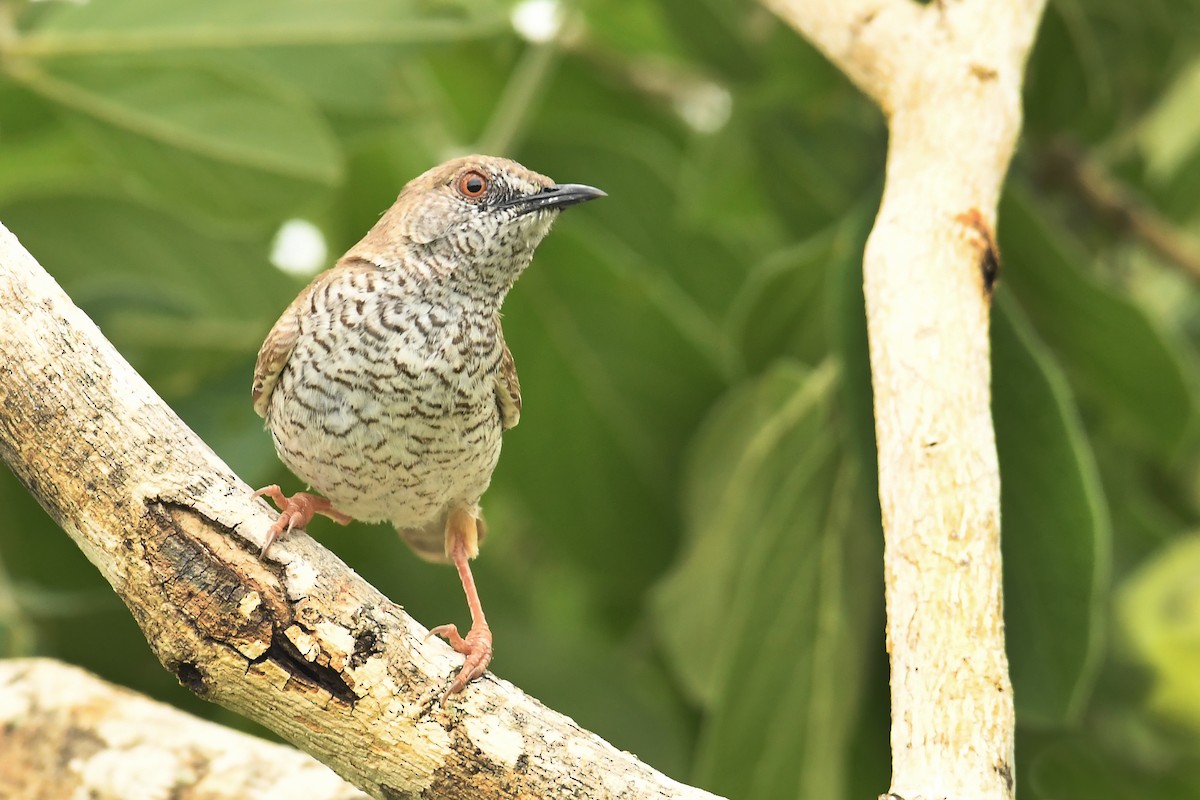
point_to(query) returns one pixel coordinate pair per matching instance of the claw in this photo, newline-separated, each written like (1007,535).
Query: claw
(477,647)
(296,512)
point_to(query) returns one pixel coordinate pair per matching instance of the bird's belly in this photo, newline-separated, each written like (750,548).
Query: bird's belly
(396,445)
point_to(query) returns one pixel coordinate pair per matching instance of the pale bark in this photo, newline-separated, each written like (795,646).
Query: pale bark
(296,641)
(948,77)
(66,733)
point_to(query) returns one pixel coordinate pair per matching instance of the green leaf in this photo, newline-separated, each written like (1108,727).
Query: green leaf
(185,308)
(764,617)
(1159,613)
(615,371)
(785,715)
(122,249)
(846,319)
(1170,132)
(1096,63)
(345,55)
(48,163)
(168,26)
(721,192)
(1075,768)
(728,489)
(1117,356)
(1071,769)
(788,306)
(37,155)
(695,275)
(780,309)
(1056,536)
(617,331)
(634,30)
(712,30)
(360,80)
(824,182)
(227,145)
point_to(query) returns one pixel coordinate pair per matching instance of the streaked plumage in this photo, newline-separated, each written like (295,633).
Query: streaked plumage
(386,384)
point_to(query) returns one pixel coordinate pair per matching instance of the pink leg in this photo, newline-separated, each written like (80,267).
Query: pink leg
(461,542)
(296,512)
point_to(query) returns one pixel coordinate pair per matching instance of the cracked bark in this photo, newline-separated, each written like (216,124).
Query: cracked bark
(947,75)
(295,641)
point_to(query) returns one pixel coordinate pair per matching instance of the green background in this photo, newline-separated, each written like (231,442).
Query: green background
(686,550)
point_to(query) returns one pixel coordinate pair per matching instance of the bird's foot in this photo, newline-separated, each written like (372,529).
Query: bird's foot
(477,648)
(296,512)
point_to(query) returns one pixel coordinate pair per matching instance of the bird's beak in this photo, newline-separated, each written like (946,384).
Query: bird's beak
(558,196)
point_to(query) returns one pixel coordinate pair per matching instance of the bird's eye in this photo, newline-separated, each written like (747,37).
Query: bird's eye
(472,184)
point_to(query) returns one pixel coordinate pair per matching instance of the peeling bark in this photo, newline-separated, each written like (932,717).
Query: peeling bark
(295,641)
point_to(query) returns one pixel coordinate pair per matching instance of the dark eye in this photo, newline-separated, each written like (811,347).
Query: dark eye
(472,184)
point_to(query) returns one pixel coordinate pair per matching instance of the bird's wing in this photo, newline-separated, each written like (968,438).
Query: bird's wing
(508,389)
(275,351)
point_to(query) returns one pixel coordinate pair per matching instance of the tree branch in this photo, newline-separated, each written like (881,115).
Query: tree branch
(297,641)
(66,733)
(1120,209)
(948,76)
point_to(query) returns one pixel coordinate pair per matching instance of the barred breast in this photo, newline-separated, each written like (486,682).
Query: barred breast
(387,404)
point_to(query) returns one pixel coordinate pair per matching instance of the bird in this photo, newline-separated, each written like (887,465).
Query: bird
(386,385)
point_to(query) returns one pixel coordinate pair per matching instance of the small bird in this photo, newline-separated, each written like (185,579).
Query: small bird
(386,384)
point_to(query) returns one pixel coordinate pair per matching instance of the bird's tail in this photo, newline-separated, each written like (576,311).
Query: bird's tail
(431,540)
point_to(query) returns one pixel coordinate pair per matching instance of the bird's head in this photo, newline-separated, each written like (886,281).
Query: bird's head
(477,220)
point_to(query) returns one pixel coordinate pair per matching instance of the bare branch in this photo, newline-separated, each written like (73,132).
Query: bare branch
(947,75)
(66,733)
(298,641)
(1119,208)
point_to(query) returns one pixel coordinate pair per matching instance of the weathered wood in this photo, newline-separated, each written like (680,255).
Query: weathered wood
(297,641)
(66,733)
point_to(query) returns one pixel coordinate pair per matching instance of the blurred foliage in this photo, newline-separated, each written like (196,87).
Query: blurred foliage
(686,548)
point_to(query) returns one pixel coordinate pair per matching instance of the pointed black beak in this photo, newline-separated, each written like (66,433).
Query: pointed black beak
(557,197)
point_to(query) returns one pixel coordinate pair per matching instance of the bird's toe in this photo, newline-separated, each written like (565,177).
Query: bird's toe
(477,647)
